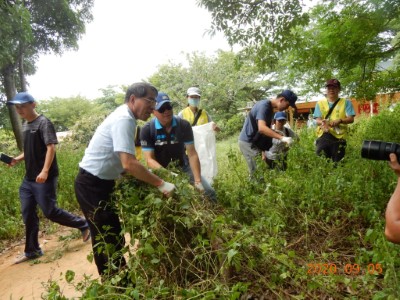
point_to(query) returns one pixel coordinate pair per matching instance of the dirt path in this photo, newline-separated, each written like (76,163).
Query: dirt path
(26,280)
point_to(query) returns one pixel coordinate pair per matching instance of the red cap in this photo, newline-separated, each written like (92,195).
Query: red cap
(333,82)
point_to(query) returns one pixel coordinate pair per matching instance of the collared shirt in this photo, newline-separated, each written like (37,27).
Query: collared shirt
(167,147)
(116,134)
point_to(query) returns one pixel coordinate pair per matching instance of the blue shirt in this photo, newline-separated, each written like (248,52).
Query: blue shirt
(262,110)
(116,134)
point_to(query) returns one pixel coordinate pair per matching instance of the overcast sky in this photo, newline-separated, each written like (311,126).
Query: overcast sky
(125,43)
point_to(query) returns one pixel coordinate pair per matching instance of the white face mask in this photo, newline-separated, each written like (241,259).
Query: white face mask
(194,102)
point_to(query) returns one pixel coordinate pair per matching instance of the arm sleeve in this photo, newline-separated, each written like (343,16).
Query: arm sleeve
(146,140)
(317,111)
(48,132)
(123,135)
(349,108)
(187,132)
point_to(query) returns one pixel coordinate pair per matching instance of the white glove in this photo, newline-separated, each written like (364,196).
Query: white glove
(166,188)
(288,140)
(199,186)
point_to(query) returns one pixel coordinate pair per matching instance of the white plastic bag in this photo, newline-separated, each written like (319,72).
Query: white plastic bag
(205,144)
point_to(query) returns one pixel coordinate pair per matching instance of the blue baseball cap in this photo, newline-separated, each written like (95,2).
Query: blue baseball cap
(21,98)
(289,96)
(280,115)
(161,99)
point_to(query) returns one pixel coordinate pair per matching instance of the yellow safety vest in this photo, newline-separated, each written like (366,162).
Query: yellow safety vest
(188,115)
(339,112)
(138,147)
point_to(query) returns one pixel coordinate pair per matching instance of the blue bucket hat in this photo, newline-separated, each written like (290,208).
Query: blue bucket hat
(289,96)
(21,98)
(161,99)
(280,115)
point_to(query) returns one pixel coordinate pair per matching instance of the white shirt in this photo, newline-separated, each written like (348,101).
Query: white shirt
(116,134)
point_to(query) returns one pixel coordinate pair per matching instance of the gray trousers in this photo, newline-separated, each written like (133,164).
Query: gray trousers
(249,152)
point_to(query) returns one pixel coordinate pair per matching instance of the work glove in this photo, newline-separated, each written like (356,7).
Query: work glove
(166,188)
(199,186)
(288,140)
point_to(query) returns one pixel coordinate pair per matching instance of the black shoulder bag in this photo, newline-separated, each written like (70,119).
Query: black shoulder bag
(331,109)
(196,118)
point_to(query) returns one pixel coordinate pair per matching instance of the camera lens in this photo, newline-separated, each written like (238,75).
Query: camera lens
(378,150)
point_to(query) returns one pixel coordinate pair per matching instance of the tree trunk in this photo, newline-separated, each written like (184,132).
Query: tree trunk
(9,86)
(22,79)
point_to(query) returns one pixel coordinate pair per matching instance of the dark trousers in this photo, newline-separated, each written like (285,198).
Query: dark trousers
(279,164)
(33,194)
(93,195)
(331,147)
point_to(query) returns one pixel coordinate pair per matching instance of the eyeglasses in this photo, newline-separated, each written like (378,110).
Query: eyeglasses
(165,107)
(151,101)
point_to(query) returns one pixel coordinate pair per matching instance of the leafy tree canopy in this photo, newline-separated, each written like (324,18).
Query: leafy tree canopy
(348,39)
(227,82)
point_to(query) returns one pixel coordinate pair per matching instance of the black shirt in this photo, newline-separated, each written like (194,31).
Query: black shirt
(167,147)
(37,135)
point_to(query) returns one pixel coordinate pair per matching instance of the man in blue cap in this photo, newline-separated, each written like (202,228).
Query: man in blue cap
(39,185)
(256,134)
(168,138)
(276,156)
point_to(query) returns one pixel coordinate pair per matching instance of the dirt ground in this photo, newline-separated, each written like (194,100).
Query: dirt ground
(27,280)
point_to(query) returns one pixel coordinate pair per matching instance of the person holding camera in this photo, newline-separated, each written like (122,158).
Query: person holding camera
(392,215)
(333,114)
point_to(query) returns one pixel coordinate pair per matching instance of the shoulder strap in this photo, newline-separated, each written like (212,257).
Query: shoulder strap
(331,109)
(197,116)
(287,131)
(153,128)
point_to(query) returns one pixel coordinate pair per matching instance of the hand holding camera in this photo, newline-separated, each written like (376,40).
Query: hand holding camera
(378,150)
(394,163)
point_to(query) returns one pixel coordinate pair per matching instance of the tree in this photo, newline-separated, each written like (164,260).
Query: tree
(64,113)
(264,27)
(227,82)
(29,28)
(347,39)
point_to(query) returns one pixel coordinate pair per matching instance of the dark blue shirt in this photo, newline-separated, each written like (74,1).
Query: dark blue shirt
(167,147)
(262,110)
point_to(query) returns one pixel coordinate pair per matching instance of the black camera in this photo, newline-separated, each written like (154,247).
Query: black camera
(379,150)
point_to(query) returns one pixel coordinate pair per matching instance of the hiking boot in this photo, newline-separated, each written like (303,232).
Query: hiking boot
(23,258)
(86,235)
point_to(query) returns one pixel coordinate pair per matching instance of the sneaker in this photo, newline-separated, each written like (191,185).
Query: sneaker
(86,235)
(23,258)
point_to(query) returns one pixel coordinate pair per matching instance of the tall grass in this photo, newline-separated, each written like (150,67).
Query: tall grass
(267,237)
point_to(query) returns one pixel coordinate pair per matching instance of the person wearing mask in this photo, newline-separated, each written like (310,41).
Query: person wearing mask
(192,113)
(333,114)
(111,153)
(276,156)
(168,138)
(39,185)
(257,127)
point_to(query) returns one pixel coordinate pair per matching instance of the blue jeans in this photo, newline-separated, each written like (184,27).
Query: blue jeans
(33,194)
(208,190)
